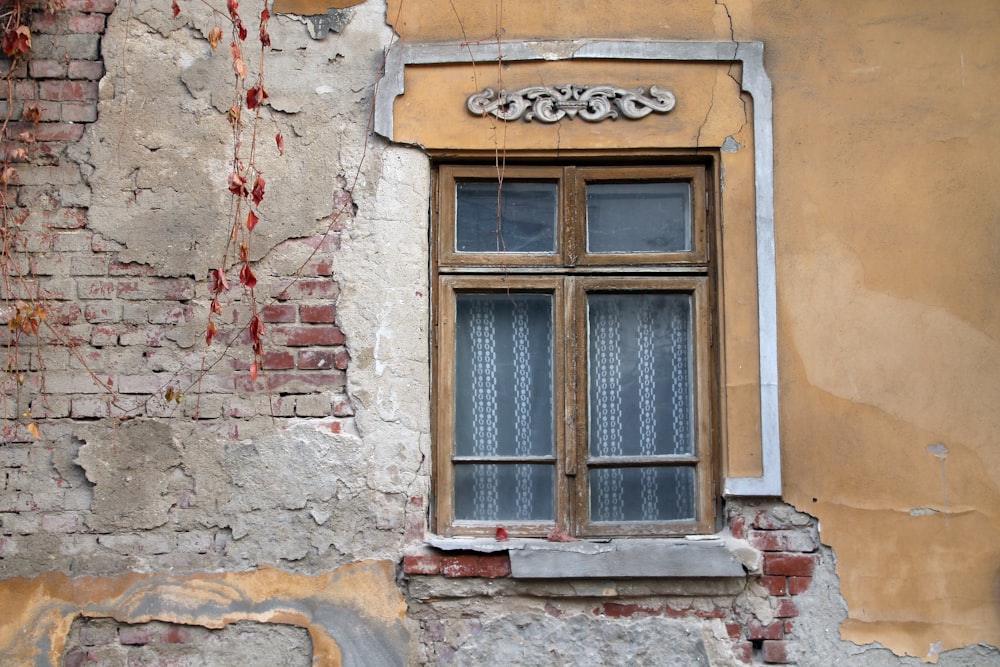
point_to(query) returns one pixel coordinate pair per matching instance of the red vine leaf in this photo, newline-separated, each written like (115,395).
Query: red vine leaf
(256,96)
(247,277)
(32,113)
(280,140)
(253,371)
(16,41)
(252,221)
(214,37)
(176,8)
(219,282)
(210,332)
(257,335)
(234,8)
(258,190)
(237,184)
(241,29)
(216,307)
(265,37)
(244,253)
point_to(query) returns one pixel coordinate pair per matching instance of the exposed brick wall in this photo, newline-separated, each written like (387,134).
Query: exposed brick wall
(759,619)
(125,327)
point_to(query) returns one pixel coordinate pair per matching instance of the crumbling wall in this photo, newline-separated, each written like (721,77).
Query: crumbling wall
(116,514)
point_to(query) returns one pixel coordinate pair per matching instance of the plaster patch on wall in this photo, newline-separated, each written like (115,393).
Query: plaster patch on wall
(354,614)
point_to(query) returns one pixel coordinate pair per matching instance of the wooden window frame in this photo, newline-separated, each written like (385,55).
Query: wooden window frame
(569,274)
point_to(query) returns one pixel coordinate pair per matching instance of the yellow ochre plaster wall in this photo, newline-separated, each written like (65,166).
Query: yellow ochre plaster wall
(888,270)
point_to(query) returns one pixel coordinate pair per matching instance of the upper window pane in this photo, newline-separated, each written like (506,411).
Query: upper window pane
(519,216)
(638,217)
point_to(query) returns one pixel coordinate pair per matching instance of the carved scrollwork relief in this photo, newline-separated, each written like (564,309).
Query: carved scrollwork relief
(549,104)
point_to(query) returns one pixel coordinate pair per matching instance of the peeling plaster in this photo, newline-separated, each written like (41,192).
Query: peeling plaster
(354,614)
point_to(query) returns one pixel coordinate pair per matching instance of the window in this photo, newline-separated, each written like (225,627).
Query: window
(574,357)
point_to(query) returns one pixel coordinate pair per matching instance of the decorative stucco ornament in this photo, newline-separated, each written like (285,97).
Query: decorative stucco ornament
(549,104)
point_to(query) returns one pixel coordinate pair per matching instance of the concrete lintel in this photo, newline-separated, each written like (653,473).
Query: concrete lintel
(755,82)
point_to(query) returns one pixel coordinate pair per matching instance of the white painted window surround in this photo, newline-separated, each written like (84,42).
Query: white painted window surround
(755,82)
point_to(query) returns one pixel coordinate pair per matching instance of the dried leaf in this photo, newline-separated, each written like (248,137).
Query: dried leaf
(258,190)
(237,184)
(216,307)
(280,140)
(33,430)
(252,221)
(256,96)
(214,37)
(176,8)
(257,335)
(16,42)
(241,29)
(234,8)
(265,37)
(244,253)
(32,113)
(210,332)
(240,68)
(253,371)
(247,278)
(219,282)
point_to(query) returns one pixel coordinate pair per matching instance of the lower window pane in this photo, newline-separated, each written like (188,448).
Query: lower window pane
(504,492)
(642,494)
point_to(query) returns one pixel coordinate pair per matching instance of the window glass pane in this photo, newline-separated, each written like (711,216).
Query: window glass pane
(638,217)
(529,214)
(508,492)
(503,375)
(642,494)
(640,374)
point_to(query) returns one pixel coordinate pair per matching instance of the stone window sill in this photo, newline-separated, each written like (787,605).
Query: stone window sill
(701,556)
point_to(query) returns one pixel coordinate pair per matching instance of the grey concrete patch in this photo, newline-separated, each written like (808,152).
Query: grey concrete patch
(529,640)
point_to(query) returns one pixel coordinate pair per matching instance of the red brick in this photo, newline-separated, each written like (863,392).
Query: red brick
(786,609)
(738,527)
(92,70)
(765,521)
(774,630)
(798,585)
(86,23)
(422,564)
(744,651)
(776,653)
(619,610)
(494,565)
(68,91)
(788,627)
(308,335)
(59,131)
(133,636)
(278,360)
(318,314)
(342,408)
(734,630)
(775,585)
(767,540)
(342,359)
(316,359)
(305,289)
(792,565)
(278,312)
(459,566)
(48,69)
(177,634)
(99,6)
